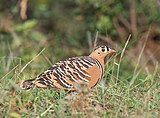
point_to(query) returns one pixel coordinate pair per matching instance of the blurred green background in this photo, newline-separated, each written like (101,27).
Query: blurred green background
(34,34)
(69,28)
(72,25)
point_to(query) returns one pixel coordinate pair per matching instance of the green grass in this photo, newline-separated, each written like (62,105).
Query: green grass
(126,91)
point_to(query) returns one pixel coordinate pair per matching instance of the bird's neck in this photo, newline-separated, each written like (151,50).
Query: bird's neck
(100,59)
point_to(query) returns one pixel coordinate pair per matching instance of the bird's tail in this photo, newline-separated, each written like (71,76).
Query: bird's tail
(27,84)
(38,82)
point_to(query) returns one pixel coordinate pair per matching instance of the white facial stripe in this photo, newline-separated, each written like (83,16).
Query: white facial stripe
(107,48)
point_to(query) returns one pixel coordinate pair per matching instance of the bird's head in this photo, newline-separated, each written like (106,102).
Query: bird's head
(101,52)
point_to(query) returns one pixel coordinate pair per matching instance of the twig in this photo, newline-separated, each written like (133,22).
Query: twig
(124,21)
(23,5)
(133,16)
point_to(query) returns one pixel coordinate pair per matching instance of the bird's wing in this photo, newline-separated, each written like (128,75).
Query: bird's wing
(67,73)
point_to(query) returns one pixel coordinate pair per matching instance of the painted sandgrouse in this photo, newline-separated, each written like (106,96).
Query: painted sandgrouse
(75,70)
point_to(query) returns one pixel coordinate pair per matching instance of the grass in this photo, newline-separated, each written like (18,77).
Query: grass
(123,92)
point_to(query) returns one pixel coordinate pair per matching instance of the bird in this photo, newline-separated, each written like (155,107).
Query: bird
(72,71)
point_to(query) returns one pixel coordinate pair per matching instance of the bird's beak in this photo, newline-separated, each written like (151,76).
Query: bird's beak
(111,51)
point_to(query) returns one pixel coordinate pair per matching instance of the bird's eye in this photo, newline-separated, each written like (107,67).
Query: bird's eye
(103,49)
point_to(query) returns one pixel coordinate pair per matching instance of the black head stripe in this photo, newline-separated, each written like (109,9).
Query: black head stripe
(102,46)
(107,48)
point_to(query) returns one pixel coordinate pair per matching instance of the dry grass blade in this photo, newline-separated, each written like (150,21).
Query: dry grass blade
(46,58)
(122,54)
(89,41)
(135,74)
(140,55)
(147,78)
(42,114)
(9,72)
(95,40)
(31,61)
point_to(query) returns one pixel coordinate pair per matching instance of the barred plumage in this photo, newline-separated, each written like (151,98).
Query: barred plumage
(75,70)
